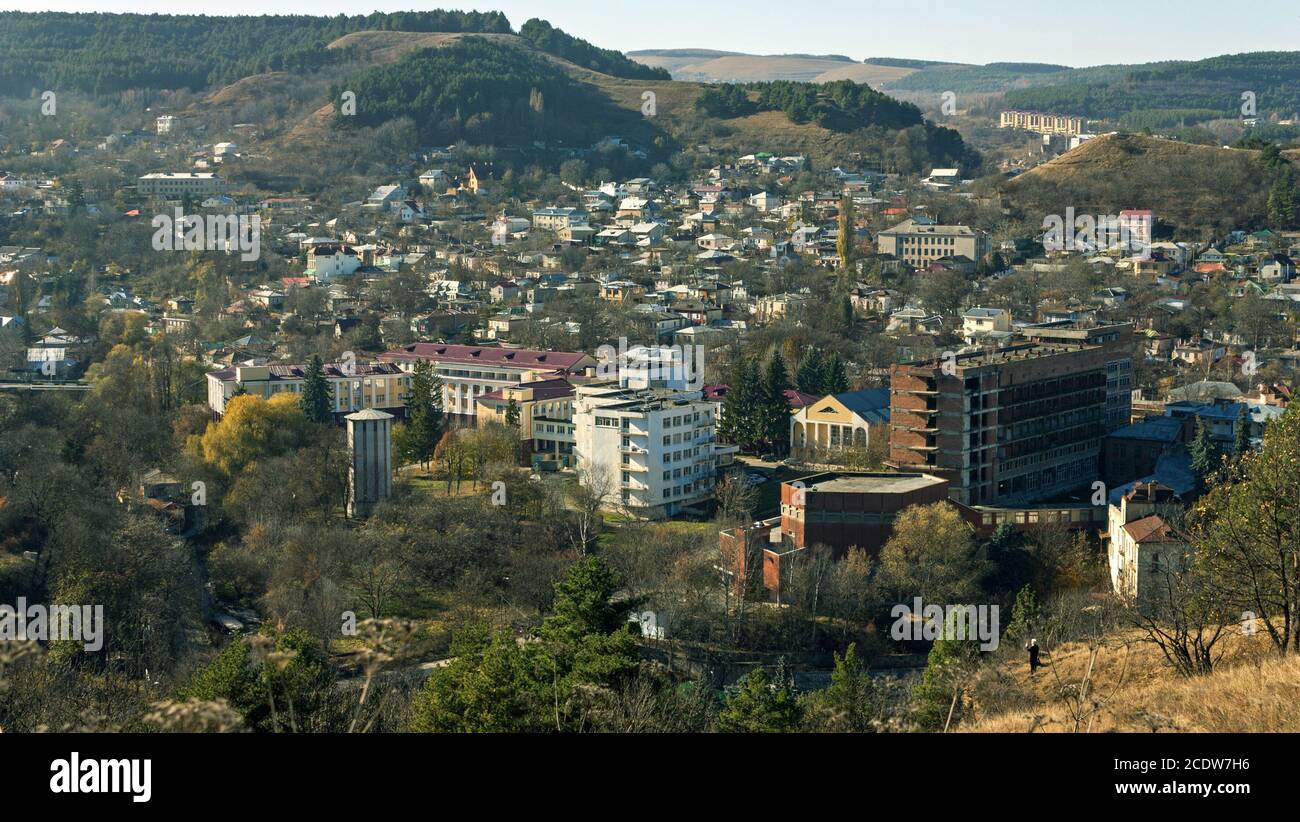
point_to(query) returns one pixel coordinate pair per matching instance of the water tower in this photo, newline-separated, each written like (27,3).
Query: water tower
(370,472)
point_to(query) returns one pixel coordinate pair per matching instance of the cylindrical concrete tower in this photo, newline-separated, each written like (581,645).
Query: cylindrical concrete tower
(370,473)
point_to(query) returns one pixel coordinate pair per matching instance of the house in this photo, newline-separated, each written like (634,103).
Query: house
(434,180)
(553,219)
(1144,549)
(327,261)
(914,321)
(985,323)
(480,179)
(1278,268)
(840,422)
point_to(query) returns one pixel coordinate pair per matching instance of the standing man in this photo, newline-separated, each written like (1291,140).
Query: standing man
(1032,647)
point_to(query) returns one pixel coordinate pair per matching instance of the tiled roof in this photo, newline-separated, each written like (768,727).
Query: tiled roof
(1151,529)
(518,357)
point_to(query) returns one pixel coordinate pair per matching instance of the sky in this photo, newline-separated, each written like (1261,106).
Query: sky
(965,31)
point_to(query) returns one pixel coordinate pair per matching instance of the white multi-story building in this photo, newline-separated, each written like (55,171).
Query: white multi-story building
(1144,550)
(920,241)
(557,218)
(330,261)
(180,184)
(653,448)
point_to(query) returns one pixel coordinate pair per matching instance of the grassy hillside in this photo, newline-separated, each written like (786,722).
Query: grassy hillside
(1202,189)
(107,53)
(485,88)
(707,66)
(1252,690)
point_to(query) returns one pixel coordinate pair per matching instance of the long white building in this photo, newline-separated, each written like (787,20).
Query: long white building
(655,447)
(470,371)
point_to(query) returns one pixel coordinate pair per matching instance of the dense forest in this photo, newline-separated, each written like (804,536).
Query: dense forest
(843,106)
(581,53)
(839,106)
(1217,83)
(107,53)
(486,92)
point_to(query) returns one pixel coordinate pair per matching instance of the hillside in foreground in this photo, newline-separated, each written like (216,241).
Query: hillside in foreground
(1253,690)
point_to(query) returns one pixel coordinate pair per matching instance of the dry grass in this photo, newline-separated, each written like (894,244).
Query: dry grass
(1252,690)
(1118,153)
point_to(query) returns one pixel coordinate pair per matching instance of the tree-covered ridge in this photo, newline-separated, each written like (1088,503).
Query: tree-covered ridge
(106,53)
(551,40)
(484,92)
(1216,83)
(841,106)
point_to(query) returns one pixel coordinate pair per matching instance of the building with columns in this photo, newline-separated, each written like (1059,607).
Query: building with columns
(840,422)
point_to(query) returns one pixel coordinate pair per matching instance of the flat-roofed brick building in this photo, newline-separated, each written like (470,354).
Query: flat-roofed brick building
(1007,426)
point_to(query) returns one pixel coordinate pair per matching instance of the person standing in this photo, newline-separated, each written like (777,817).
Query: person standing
(1032,647)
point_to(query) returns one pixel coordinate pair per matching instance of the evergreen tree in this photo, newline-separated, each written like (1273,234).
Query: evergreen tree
(812,373)
(741,407)
(775,411)
(761,706)
(315,397)
(851,702)
(1026,615)
(835,381)
(424,411)
(512,414)
(1241,433)
(1202,451)
(937,697)
(1284,201)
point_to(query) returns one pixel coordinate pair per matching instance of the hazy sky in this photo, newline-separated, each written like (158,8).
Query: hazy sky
(968,31)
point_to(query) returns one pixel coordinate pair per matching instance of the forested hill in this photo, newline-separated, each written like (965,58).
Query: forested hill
(106,53)
(551,40)
(1217,84)
(485,92)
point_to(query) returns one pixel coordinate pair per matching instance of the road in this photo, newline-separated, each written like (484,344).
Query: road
(44,386)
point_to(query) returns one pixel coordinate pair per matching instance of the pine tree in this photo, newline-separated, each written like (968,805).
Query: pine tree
(1026,615)
(1284,201)
(424,409)
(812,374)
(315,397)
(937,697)
(1202,451)
(775,413)
(742,407)
(851,701)
(761,706)
(835,381)
(512,414)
